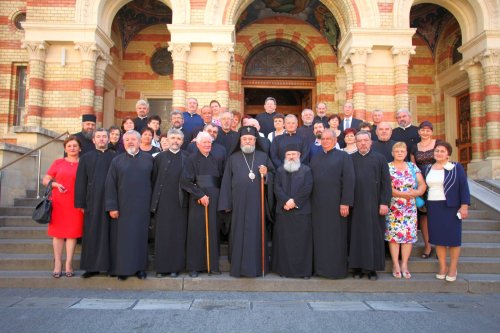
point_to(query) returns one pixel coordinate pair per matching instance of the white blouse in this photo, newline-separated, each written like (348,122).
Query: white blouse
(435,182)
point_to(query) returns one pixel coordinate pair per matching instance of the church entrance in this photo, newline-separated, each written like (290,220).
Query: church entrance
(464,142)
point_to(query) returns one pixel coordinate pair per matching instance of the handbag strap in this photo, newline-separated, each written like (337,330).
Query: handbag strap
(48,190)
(413,173)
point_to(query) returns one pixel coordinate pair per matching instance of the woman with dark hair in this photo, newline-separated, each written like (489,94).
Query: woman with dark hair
(146,139)
(334,122)
(115,142)
(422,154)
(350,141)
(66,222)
(127,124)
(216,109)
(448,201)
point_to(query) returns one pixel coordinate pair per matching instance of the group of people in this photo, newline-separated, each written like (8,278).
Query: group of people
(320,199)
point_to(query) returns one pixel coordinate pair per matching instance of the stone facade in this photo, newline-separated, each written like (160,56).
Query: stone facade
(77,63)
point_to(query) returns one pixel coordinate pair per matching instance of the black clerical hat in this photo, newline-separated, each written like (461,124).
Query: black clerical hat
(292,147)
(89,117)
(248,130)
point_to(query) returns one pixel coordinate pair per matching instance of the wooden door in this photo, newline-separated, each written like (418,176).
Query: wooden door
(464,142)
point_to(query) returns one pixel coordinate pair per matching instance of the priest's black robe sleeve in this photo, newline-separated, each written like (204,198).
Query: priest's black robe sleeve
(279,189)
(303,193)
(348,181)
(226,192)
(111,192)
(82,179)
(385,184)
(188,180)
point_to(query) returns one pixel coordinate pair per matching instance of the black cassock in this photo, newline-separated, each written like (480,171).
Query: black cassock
(201,176)
(292,233)
(87,145)
(373,188)
(241,195)
(278,148)
(333,179)
(169,204)
(384,148)
(89,195)
(128,190)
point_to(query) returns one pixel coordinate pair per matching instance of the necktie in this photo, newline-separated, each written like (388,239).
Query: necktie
(347,123)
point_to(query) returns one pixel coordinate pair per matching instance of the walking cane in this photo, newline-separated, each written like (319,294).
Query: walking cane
(262,221)
(207,239)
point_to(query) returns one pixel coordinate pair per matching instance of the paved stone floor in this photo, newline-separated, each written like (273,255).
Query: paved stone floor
(49,310)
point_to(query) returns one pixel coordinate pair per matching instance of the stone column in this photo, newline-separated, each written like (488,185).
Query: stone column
(223,56)
(36,52)
(490,60)
(476,92)
(401,56)
(179,58)
(89,53)
(348,85)
(100,73)
(358,57)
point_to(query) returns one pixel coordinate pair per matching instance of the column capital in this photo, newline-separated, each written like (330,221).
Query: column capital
(179,51)
(36,50)
(359,55)
(472,67)
(490,58)
(401,55)
(224,52)
(89,51)
(103,61)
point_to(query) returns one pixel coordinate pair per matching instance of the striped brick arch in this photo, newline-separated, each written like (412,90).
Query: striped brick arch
(287,30)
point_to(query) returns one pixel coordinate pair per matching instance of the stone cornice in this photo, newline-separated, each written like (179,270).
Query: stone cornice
(223,51)
(487,40)
(179,51)
(199,33)
(63,32)
(36,49)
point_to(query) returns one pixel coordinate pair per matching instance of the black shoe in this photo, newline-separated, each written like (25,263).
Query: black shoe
(372,275)
(141,275)
(174,274)
(306,277)
(193,274)
(357,274)
(122,277)
(88,274)
(215,272)
(161,275)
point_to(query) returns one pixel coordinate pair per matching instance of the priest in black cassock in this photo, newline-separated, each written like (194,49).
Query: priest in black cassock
(241,195)
(85,136)
(201,178)
(384,144)
(169,204)
(405,132)
(372,196)
(333,194)
(292,233)
(218,151)
(127,199)
(89,196)
(279,143)
(227,137)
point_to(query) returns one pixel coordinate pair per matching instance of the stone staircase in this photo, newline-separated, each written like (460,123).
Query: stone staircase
(26,262)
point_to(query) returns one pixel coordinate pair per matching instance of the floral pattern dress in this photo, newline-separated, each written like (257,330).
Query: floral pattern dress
(401,222)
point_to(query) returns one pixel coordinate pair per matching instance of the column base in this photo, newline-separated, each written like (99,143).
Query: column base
(485,169)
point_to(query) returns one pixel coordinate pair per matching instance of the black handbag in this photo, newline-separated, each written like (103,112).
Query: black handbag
(43,209)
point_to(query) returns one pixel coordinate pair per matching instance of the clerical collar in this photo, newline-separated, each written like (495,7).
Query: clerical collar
(317,142)
(142,118)
(290,133)
(134,155)
(102,150)
(365,153)
(404,128)
(326,152)
(174,151)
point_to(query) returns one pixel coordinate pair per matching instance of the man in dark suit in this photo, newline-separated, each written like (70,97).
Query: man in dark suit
(142,109)
(348,120)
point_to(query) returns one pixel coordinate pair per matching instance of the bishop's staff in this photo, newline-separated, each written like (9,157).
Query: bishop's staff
(262,216)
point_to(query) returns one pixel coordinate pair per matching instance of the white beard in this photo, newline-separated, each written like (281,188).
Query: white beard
(131,151)
(248,149)
(291,166)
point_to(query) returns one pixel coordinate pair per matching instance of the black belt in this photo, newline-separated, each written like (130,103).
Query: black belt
(207,181)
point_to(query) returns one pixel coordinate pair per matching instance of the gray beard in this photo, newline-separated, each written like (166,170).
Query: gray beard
(291,166)
(248,149)
(87,135)
(131,151)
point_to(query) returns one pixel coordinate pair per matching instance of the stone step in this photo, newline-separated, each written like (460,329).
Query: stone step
(419,283)
(467,250)
(36,232)
(481,236)
(25,246)
(478,214)
(474,265)
(480,224)
(27,202)
(16,211)
(17,221)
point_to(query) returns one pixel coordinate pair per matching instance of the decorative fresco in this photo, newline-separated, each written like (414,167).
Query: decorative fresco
(430,20)
(311,11)
(139,14)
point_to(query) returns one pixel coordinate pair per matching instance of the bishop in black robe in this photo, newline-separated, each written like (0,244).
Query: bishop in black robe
(128,191)
(373,190)
(292,233)
(89,195)
(241,195)
(333,179)
(169,205)
(201,177)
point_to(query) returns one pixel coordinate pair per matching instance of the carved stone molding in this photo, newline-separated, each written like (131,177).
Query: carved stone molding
(103,62)
(89,51)
(359,55)
(402,55)
(179,51)
(36,50)
(490,58)
(224,52)
(472,67)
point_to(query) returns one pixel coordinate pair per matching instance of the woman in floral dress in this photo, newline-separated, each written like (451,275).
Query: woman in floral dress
(401,222)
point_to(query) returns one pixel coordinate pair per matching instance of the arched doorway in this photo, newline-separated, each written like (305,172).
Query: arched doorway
(282,71)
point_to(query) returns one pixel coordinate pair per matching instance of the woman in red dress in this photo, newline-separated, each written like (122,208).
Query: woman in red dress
(66,221)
